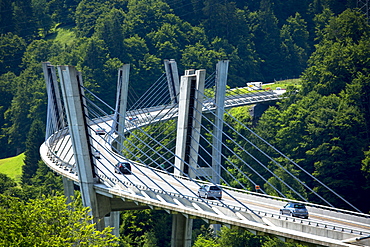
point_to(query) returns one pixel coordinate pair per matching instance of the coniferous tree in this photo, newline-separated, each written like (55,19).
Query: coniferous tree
(35,138)
(6,17)
(24,20)
(109,28)
(267,41)
(12,48)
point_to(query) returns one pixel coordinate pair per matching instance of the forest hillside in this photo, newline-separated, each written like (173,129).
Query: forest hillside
(324,126)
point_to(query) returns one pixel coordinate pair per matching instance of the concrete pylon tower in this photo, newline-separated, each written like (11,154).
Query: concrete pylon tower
(71,85)
(221,80)
(188,123)
(187,145)
(121,101)
(172,79)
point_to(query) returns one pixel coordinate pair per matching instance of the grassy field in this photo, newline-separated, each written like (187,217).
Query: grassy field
(271,86)
(12,167)
(63,34)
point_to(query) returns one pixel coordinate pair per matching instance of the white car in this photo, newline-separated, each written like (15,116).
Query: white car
(210,191)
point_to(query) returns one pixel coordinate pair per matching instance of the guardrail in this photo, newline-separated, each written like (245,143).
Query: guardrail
(112,181)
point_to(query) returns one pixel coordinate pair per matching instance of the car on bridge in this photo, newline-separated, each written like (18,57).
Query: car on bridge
(295,209)
(210,191)
(96,154)
(123,167)
(100,131)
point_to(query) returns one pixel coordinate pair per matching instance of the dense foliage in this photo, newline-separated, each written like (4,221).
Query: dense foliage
(239,238)
(324,127)
(264,40)
(49,222)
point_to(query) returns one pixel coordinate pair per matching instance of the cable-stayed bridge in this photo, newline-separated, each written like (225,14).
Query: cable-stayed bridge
(176,139)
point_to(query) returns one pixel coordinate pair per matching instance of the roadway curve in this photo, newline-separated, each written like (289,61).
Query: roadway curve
(157,189)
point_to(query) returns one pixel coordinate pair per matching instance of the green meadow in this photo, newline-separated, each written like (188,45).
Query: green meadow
(12,167)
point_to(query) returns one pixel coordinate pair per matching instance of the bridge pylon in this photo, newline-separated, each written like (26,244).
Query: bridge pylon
(71,85)
(187,144)
(221,80)
(121,102)
(172,79)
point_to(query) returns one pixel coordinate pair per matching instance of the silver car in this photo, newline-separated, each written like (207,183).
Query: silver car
(295,209)
(210,191)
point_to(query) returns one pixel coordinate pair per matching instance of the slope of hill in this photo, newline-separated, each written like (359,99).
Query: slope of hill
(12,167)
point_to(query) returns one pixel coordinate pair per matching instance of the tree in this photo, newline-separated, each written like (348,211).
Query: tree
(339,56)
(42,18)
(357,93)
(43,182)
(6,17)
(109,29)
(144,16)
(224,20)
(145,226)
(171,37)
(294,36)
(49,221)
(24,19)
(35,138)
(62,11)
(12,48)
(144,67)
(7,82)
(86,15)
(267,40)
(17,115)
(203,241)
(199,56)
(6,184)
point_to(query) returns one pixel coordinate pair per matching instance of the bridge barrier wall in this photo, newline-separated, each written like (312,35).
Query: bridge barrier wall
(309,229)
(313,208)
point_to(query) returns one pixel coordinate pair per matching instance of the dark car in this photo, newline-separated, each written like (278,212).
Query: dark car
(295,209)
(210,191)
(100,131)
(123,167)
(97,154)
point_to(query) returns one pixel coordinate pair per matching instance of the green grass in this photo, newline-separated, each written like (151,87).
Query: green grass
(12,167)
(281,84)
(284,84)
(63,34)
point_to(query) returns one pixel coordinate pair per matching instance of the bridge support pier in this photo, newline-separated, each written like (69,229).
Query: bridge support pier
(69,191)
(181,231)
(113,221)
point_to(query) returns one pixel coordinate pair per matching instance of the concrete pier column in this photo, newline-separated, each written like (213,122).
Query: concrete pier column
(113,221)
(68,186)
(181,231)
(72,92)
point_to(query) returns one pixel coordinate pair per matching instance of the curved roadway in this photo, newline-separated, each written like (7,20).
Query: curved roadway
(325,226)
